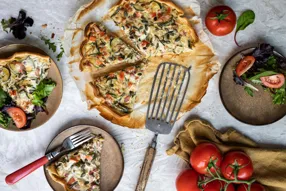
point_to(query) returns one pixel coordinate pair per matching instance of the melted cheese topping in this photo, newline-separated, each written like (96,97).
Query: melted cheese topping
(154,27)
(102,49)
(119,88)
(81,168)
(20,77)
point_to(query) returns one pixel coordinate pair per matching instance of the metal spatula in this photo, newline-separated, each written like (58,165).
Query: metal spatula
(166,98)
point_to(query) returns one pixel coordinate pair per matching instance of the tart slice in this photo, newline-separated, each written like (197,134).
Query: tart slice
(118,89)
(101,48)
(79,170)
(155,27)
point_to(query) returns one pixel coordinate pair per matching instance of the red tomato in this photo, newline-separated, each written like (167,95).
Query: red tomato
(254,187)
(218,186)
(237,161)
(274,81)
(187,181)
(18,116)
(202,155)
(220,20)
(245,64)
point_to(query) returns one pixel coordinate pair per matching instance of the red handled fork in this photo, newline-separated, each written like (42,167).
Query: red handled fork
(68,144)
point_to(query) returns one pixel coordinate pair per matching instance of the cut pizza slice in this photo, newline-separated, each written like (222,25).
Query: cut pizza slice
(118,89)
(154,26)
(101,48)
(79,170)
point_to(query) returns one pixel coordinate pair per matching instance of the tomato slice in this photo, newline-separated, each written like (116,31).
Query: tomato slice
(18,116)
(274,81)
(245,64)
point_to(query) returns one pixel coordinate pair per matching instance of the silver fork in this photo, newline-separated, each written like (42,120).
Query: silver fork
(68,144)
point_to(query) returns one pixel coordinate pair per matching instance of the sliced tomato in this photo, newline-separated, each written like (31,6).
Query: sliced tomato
(245,64)
(92,38)
(88,157)
(18,116)
(121,75)
(254,187)
(274,81)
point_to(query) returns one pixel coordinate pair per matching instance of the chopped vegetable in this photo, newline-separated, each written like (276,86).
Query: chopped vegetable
(18,115)
(60,55)
(52,45)
(244,21)
(4,120)
(43,90)
(4,98)
(249,91)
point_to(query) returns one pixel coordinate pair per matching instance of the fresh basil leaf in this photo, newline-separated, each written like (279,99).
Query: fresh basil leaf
(249,91)
(4,120)
(43,90)
(245,19)
(258,76)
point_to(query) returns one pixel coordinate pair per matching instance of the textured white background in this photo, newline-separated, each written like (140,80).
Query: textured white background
(18,149)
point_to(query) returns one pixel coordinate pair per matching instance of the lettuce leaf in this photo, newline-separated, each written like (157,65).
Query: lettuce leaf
(43,90)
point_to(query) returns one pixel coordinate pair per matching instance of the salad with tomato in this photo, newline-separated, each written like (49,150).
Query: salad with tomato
(263,67)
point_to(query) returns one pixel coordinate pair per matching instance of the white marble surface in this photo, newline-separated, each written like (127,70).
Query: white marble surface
(18,149)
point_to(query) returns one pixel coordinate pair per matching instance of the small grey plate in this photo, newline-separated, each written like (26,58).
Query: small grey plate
(112,163)
(256,110)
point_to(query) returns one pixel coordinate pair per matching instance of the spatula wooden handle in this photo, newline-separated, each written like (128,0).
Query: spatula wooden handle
(146,168)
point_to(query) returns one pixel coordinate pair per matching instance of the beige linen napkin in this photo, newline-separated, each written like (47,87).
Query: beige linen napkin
(269,164)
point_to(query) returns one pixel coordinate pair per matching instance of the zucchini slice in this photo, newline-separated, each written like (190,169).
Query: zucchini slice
(5,74)
(115,44)
(138,7)
(155,6)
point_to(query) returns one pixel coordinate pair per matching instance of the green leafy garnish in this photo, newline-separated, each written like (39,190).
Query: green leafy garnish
(262,74)
(48,42)
(6,23)
(4,120)
(279,97)
(243,21)
(4,98)
(249,91)
(60,55)
(43,90)
(272,63)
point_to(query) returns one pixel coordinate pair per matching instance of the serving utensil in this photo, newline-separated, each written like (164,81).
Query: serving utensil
(68,144)
(166,98)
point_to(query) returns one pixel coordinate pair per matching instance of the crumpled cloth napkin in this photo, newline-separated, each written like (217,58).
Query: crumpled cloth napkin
(269,164)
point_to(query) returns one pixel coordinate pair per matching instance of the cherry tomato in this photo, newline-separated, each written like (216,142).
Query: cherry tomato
(274,81)
(245,64)
(218,186)
(239,162)
(187,181)
(220,20)
(254,187)
(203,155)
(18,116)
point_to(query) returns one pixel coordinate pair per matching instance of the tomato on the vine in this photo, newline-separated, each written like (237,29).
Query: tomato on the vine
(220,20)
(254,187)
(237,164)
(206,156)
(187,181)
(217,185)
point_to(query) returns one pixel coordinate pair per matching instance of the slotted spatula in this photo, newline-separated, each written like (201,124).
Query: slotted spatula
(166,98)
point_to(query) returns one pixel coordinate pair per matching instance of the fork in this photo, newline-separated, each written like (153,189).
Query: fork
(68,144)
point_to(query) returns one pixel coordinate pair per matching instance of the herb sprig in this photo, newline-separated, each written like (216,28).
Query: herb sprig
(52,46)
